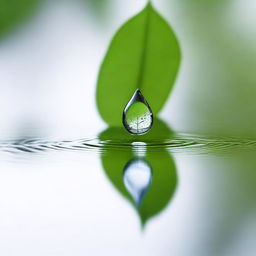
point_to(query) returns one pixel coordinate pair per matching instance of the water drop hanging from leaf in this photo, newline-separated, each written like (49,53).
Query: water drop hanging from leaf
(144,54)
(137,115)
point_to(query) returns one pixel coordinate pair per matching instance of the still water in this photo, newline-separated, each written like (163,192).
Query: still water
(185,195)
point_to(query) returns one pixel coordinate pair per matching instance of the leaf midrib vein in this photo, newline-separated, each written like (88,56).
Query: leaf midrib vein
(143,57)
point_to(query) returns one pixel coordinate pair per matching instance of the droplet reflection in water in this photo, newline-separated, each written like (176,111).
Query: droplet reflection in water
(137,179)
(137,115)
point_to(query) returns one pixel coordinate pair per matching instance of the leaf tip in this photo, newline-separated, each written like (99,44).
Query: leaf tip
(149,5)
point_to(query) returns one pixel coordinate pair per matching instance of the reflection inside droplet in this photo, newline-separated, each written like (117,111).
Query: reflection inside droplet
(137,179)
(137,115)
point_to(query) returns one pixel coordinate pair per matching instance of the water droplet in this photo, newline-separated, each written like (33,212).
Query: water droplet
(137,115)
(137,179)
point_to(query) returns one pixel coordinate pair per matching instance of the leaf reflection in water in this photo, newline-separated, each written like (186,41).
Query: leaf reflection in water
(159,179)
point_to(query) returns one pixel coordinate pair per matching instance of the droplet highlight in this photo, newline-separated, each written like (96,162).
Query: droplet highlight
(137,179)
(137,115)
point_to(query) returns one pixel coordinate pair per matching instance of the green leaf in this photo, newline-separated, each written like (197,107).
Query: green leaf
(14,12)
(144,54)
(164,178)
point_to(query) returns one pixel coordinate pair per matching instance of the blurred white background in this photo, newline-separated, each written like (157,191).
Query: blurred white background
(48,70)
(61,203)
(49,67)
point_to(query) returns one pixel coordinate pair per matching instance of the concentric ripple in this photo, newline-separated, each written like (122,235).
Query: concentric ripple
(179,142)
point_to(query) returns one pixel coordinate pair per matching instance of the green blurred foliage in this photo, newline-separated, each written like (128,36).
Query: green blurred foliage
(144,54)
(98,5)
(164,179)
(216,94)
(14,12)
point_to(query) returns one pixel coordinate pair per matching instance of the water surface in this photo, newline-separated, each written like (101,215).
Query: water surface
(72,196)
